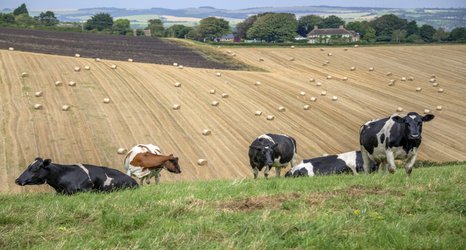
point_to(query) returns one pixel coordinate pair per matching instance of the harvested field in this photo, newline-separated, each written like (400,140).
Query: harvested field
(142,98)
(141,49)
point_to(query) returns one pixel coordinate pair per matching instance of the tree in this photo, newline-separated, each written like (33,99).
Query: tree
(100,21)
(121,26)
(440,35)
(156,27)
(212,27)
(359,27)
(178,31)
(427,33)
(274,27)
(21,10)
(24,20)
(386,24)
(243,27)
(370,35)
(306,24)
(458,34)
(48,18)
(398,35)
(194,34)
(7,18)
(414,38)
(332,22)
(412,28)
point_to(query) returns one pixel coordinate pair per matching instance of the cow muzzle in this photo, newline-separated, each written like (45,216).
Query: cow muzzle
(21,183)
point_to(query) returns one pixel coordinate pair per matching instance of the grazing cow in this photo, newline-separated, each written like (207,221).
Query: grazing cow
(271,150)
(146,160)
(70,179)
(331,164)
(390,138)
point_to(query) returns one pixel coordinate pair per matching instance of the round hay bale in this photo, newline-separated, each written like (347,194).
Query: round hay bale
(399,109)
(87,67)
(228,51)
(113,66)
(426,111)
(371,69)
(177,84)
(306,107)
(206,132)
(313,99)
(201,162)
(312,80)
(77,55)
(291,59)
(418,89)
(258,113)
(212,91)
(98,59)
(391,83)
(345,49)
(38,94)
(281,109)
(225,95)
(329,77)
(327,61)
(175,64)
(411,78)
(440,90)
(215,103)
(292,46)
(176,106)
(433,76)
(329,54)
(321,49)
(11,48)
(58,83)
(24,74)
(180,67)
(403,79)
(438,108)
(318,84)
(353,68)
(65,107)
(72,83)
(323,93)
(106,100)
(270,117)
(324,64)
(121,151)
(234,54)
(257,83)
(302,93)
(389,74)
(356,46)
(130,60)
(37,106)
(77,69)
(345,78)
(435,84)
(334,98)
(218,74)
(432,80)
(261,59)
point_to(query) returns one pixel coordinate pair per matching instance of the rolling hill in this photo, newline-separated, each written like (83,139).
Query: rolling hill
(142,96)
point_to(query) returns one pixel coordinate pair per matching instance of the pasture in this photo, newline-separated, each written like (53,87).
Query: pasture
(142,97)
(425,211)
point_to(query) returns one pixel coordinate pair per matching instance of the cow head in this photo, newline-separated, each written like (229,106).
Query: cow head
(264,154)
(172,165)
(413,124)
(36,173)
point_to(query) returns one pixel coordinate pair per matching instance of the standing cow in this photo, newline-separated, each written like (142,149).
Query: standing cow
(70,179)
(271,150)
(394,137)
(144,161)
(349,162)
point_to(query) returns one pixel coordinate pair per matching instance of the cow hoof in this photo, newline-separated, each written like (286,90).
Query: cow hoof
(392,171)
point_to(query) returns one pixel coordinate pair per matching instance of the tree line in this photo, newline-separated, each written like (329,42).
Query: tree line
(264,27)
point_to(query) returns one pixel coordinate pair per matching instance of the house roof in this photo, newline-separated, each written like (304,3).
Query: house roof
(338,31)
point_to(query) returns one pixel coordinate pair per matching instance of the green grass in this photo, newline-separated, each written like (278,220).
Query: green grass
(425,211)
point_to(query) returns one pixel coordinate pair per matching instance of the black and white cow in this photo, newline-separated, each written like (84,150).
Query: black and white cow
(271,150)
(349,162)
(390,138)
(69,179)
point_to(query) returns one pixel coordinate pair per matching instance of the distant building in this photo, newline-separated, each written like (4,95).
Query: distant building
(229,38)
(147,32)
(332,35)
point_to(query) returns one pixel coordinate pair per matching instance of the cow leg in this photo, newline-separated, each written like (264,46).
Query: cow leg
(384,167)
(256,172)
(142,180)
(391,161)
(409,164)
(148,179)
(366,160)
(266,172)
(157,176)
(277,171)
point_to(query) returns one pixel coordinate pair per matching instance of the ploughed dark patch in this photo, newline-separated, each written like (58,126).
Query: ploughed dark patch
(112,47)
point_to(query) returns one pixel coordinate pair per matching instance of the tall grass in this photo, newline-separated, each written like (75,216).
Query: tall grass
(425,211)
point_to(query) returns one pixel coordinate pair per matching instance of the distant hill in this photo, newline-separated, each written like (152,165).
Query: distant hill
(446,18)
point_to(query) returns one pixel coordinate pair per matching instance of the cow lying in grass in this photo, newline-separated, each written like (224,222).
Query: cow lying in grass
(349,162)
(70,179)
(144,161)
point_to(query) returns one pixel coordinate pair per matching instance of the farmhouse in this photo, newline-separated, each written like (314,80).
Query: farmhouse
(332,35)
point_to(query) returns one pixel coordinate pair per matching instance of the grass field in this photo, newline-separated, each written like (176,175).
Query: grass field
(425,211)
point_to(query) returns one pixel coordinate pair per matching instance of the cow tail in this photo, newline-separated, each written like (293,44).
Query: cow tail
(295,145)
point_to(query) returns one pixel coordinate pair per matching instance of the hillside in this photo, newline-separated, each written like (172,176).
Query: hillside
(142,96)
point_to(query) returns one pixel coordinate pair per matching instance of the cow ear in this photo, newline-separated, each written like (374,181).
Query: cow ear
(398,119)
(47,162)
(255,147)
(428,117)
(274,145)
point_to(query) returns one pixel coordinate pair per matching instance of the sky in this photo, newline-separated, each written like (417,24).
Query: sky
(230,4)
